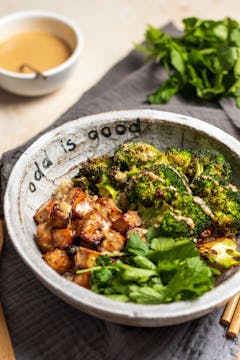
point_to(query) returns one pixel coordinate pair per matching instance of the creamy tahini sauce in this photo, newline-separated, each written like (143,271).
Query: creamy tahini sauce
(189,221)
(203,205)
(208,177)
(38,49)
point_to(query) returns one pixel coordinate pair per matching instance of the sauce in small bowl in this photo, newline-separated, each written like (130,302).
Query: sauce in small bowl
(38,51)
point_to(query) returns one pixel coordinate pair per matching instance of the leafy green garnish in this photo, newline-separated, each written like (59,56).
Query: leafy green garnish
(103,260)
(204,62)
(158,271)
(192,278)
(136,246)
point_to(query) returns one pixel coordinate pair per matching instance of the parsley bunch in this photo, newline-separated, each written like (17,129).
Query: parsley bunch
(204,62)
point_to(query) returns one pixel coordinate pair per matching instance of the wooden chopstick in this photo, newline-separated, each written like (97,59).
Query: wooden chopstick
(229,311)
(231,317)
(6,348)
(234,326)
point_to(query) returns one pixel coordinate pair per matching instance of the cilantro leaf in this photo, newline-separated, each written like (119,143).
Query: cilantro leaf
(192,279)
(146,294)
(136,245)
(160,271)
(144,262)
(103,260)
(168,250)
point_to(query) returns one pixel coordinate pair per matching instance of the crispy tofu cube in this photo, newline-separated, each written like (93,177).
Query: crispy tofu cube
(42,215)
(83,280)
(80,201)
(113,241)
(127,221)
(85,258)
(44,237)
(107,208)
(58,260)
(62,238)
(74,225)
(60,215)
(92,227)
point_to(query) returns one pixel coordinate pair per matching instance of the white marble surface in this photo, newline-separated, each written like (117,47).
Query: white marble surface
(109,28)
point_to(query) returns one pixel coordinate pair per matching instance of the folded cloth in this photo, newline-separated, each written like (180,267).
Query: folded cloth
(44,327)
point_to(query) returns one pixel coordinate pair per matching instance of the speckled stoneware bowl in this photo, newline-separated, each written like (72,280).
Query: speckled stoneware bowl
(56,155)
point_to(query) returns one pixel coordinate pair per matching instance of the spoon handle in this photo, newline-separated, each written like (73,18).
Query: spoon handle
(6,348)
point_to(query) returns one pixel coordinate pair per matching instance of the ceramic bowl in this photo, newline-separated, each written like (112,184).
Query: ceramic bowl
(56,156)
(30,84)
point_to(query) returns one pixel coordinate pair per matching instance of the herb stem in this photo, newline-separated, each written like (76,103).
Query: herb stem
(82,271)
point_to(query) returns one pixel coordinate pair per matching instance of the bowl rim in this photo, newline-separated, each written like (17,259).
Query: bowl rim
(99,305)
(48,15)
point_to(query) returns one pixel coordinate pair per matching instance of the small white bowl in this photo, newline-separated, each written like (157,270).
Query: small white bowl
(31,84)
(56,156)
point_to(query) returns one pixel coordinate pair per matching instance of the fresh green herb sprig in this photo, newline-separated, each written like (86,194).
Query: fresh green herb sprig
(160,270)
(204,62)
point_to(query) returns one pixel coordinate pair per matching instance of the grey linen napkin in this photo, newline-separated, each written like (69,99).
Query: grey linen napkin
(44,327)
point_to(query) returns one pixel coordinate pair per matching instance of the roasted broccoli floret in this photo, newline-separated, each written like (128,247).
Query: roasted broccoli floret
(181,158)
(224,200)
(188,216)
(83,182)
(209,162)
(156,185)
(174,224)
(94,168)
(221,252)
(196,209)
(164,198)
(93,176)
(131,157)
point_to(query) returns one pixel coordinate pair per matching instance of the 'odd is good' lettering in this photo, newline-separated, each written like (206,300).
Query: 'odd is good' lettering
(46,162)
(38,173)
(119,129)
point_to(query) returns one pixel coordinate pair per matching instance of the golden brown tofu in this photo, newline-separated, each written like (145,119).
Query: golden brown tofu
(127,221)
(62,238)
(107,208)
(74,225)
(92,227)
(83,280)
(58,260)
(85,258)
(44,237)
(81,202)
(113,241)
(42,215)
(60,215)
